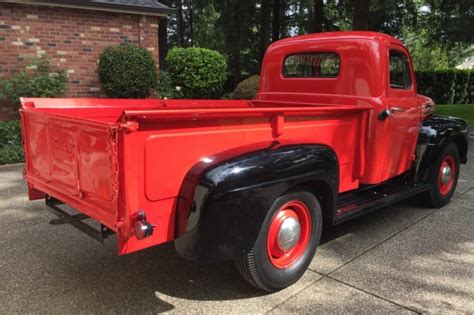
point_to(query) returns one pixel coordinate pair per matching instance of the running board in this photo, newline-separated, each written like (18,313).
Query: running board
(76,221)
(360,202)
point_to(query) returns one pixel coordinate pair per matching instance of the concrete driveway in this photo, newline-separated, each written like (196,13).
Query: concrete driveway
(405,258)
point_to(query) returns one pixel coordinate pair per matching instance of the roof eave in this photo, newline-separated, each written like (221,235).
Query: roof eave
(162,12)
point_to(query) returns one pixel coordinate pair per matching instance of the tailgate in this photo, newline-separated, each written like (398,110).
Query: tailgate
(73,160)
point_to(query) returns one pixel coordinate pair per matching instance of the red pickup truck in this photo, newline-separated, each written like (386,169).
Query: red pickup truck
(337,130)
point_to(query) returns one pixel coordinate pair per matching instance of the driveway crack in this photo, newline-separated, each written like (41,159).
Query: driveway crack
(382,242)
(296,293)
(374,295)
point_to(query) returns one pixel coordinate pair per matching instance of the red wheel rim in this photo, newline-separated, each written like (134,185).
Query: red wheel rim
(447,173)
(294,211)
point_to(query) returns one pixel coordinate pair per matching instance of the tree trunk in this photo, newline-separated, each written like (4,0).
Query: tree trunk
(237,65)
(191,22)
(236,40)
(180,23)
(163,41)
(318,16)
(360,17)
(276,20)
(265,25)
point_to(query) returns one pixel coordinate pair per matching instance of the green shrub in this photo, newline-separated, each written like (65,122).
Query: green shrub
(447,86)
(197,72)
(39,80)
(461,87)
(11,150)
(166,88)
(127,72)
(247,89)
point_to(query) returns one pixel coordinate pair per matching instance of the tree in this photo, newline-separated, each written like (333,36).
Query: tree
(164,39)
(276,20)
(360,18)
(449,21)
(191,22)
(243,29)
(163,46)
(205,33)
(230,25)
(296,17)
(424,57)
(318,16)
(180,23)
(238,22)
(265,24)
(393,16)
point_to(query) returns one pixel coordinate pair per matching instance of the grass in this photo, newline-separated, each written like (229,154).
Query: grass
(464,111)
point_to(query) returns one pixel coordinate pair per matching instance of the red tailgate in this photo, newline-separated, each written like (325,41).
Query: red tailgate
(75,161)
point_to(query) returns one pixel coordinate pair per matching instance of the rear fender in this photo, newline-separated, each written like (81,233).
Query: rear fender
(232,198)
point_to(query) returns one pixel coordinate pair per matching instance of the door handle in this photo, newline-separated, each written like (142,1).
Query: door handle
(396,109)
(389,112)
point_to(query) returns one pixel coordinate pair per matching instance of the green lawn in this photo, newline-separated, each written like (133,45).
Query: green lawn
(464,111)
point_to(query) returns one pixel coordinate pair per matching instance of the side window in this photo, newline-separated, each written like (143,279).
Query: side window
(400,76)
(312,65)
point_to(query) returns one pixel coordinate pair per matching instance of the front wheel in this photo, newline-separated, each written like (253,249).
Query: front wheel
(286,243)
(443,177)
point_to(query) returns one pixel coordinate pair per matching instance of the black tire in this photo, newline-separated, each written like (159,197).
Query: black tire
(434,198)
(256,266)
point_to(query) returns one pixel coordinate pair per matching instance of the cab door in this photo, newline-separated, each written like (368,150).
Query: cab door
(404,113)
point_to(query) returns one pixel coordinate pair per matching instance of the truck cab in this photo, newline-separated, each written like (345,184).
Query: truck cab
(356,68)
(337,130)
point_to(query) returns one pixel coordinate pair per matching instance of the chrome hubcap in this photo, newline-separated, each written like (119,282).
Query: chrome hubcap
(289,234)
(446,175)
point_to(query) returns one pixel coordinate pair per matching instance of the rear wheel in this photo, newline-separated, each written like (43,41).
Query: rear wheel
(444,177)
(286,244)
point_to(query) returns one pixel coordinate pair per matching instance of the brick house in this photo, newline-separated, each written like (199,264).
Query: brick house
(73,34)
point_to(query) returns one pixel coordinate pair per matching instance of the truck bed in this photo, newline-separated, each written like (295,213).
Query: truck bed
(109,158)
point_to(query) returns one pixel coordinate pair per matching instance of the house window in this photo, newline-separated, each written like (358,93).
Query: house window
(312,65)
(400,75)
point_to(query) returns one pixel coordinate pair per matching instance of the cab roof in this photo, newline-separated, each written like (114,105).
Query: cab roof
(342,35)
(363,64)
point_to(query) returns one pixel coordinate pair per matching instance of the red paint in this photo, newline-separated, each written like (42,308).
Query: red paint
(110,158)
(444,189)
(278,257)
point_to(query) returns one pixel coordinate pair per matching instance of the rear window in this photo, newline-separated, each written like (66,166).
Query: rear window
(312,65)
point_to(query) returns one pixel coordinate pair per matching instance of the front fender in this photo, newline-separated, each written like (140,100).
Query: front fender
(232,199)
(435,133)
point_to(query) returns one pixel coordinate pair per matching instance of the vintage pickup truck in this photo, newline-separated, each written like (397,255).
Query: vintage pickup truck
(337,130)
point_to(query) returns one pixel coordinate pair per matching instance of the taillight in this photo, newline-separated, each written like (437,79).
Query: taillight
(142,227)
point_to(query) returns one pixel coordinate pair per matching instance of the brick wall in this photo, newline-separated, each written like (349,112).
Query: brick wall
(73,38)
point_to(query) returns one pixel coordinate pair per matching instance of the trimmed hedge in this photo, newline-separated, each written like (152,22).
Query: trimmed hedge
(449,86)
(11,150)
(196,72)
(247,89)
(127,72)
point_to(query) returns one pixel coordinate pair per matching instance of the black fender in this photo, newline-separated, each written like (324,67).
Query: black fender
(435,133)
(233,197)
